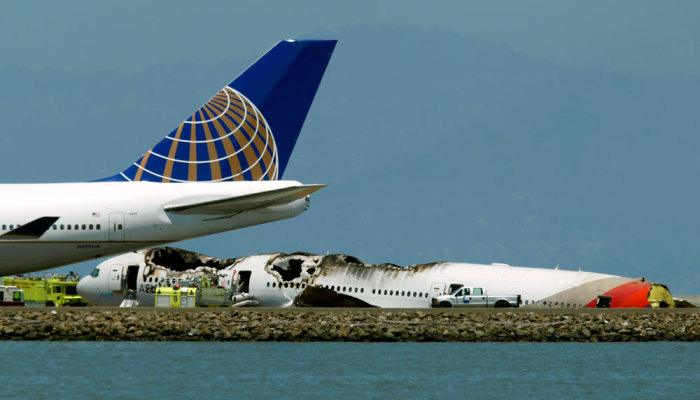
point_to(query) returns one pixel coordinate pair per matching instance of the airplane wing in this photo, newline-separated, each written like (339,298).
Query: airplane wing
(246,202)
(30,230)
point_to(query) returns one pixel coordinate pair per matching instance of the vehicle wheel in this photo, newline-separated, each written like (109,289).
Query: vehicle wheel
(501,304)
(445,304)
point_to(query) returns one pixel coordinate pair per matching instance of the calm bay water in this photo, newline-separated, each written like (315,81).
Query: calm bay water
(89,370)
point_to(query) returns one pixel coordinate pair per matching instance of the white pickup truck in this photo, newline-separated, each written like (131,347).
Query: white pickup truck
(475,297)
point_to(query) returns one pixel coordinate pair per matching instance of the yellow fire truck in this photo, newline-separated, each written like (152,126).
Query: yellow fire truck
(176,297)
(51,291)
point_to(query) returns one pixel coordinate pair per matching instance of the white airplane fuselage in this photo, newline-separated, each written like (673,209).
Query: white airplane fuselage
(381,286)
(97,219)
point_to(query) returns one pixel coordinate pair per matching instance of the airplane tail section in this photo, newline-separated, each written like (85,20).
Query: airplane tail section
(247,131)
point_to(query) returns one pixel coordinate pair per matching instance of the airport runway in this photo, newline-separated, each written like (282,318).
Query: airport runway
(357,325)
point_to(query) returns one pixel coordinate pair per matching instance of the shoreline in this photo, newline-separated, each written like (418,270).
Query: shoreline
(349,325)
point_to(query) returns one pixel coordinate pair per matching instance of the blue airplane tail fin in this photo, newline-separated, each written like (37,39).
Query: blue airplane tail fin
(247,131)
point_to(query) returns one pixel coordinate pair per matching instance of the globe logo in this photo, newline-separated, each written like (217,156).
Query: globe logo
(227,139)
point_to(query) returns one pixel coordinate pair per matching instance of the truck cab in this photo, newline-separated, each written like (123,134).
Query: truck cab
(470,297)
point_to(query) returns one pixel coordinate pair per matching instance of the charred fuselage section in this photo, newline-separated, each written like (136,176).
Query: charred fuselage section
(338,280)
(182,260)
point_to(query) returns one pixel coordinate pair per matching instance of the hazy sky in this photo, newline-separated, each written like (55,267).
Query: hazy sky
(629,36)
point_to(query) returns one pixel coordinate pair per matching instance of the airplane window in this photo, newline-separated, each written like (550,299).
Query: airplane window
(391,293)
(84,226)
(362,290)
(426,295)
(76,227)
(355,290)
(68,226)
(4,227)
(95,273)
(55,227)
(372,291)
(90,227)
(98,227)
(385,292)
(12,227)
(274,284)
(61,226)
(415,294)
(268,284)
(303,285)
(119,227)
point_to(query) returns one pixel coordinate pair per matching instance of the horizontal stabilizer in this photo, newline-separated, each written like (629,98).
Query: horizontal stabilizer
(247,202)
(31,230)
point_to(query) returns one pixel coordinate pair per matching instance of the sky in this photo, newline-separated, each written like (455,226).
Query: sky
(628,36)
(625,38)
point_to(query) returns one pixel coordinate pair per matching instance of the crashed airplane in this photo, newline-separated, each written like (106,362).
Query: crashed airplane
(282,280)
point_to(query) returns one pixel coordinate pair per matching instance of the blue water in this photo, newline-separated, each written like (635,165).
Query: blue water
(88,370)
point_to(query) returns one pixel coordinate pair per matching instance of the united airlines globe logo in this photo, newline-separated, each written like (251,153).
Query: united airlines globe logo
(227,139)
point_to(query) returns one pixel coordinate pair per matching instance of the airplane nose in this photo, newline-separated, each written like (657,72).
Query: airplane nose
(87,289)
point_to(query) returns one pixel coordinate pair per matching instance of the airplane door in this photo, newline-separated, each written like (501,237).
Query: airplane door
(115,278)
(438,289)
(116,227)
(132,275)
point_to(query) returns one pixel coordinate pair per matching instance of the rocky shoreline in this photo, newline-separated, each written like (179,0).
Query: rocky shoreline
(349,325)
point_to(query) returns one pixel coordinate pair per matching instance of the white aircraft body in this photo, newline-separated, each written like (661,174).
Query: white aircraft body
(218,170)
(275,280)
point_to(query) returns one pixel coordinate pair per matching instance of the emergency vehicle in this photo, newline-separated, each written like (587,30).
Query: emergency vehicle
(11,296)
(50,291)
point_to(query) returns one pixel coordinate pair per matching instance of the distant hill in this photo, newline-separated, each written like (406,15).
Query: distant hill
(435,147)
